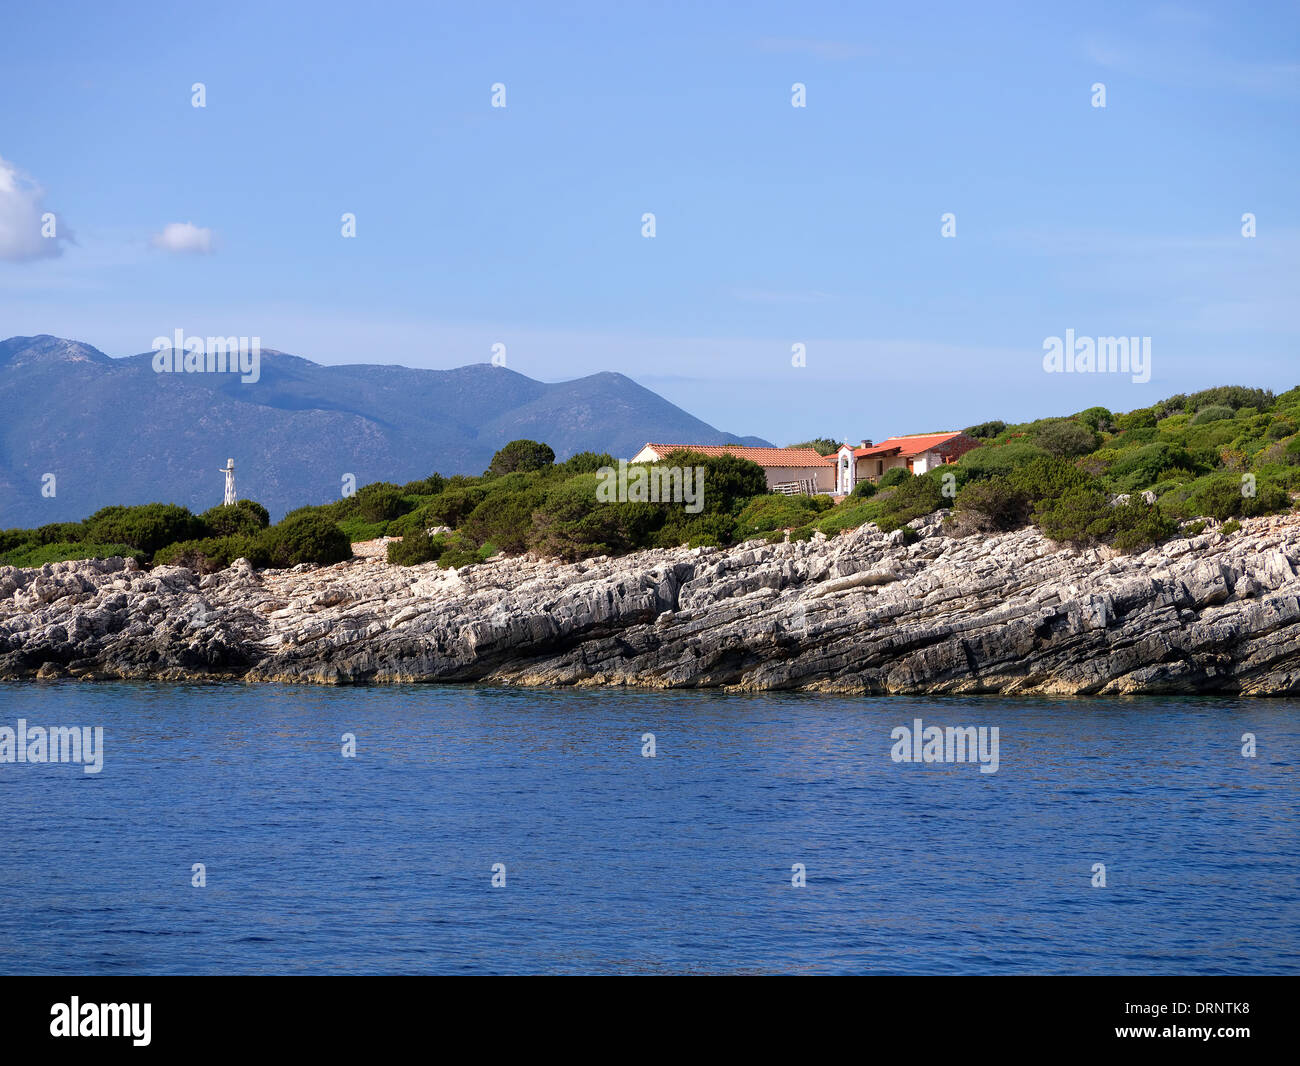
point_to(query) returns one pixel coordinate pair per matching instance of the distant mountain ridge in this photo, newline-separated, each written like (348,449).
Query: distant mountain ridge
(114,431)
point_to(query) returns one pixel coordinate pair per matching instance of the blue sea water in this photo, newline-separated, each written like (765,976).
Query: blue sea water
(617,863)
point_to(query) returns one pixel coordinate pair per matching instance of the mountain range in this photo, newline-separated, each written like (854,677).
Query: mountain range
(112,430)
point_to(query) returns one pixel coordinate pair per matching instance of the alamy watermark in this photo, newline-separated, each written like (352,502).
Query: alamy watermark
(179,354)
(640,483)
(1098,355)
(934,743)
(58,744)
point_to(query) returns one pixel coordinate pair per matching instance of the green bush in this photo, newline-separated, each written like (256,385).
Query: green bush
(914,498)
(454,504)
(521,455)
(32,554)
(986,430)
(243,518)
(147,527)
(1213,413)
(356,528)
(505,519)
(380,501)
(894,476)
(585,463)
(1065,438)
(1142,467)
(214,553)
(416,548)
(417,521)
(773,512)
(1139,525)
(58,533)
(15,538)
(1002,459)
(429,486)
(1229,527)
(864,490)
(306,538)
(1079,516)
(994,504)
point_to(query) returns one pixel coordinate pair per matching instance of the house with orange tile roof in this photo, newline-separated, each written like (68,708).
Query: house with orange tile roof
(917,453)
(792,471)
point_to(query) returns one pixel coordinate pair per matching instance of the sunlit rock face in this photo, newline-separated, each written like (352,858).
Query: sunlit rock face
(861,612)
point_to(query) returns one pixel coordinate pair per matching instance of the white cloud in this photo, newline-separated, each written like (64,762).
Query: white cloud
(184,237)
(22,211)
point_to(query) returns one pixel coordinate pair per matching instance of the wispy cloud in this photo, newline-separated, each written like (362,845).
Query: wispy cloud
(184,238)
(27,229)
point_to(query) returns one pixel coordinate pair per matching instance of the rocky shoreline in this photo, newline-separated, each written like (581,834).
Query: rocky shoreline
(863,612)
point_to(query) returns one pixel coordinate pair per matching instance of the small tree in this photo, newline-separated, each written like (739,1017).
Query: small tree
(521,455)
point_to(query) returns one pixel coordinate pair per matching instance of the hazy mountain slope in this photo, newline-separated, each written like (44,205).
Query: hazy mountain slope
(113,431)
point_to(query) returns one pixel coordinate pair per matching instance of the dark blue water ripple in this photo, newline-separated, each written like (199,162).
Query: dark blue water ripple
(678,864)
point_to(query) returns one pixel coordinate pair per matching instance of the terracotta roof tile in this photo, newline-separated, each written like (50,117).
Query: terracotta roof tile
(906,446)
(761,456)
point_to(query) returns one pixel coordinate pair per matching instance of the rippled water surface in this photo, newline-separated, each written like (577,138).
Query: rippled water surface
(620,863)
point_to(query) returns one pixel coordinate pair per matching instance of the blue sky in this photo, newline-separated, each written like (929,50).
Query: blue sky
(775,225)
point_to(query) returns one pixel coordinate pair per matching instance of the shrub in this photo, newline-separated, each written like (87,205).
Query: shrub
(864,489)
(521,455)
(586,463)
(1213,413)
(912,499)
(15,538)
(1098,419)
(429,486)
(1138,525)
(306,538)
(1229,527)
(1142,467)
(728,480)
(32,554)
(1079,516)
(848,515)
(147,527)
(994,504)
(1191,529)
(380,501)
(416,548)
(454,504)
(1047,478)
(571,524)
(1065,438)
(999,458)
(416,521)
(505,519)
(244,518)
(214,553)
(986,430)
(58,533)
(895,476)
(357,528)
(1221,496)
(774,513)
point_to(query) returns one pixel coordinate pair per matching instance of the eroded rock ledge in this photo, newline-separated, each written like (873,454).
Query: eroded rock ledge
(862,612)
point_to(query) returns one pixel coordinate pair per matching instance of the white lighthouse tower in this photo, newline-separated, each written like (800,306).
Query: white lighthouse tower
(229,471)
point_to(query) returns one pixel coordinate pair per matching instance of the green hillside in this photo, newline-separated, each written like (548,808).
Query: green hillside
(1221,454)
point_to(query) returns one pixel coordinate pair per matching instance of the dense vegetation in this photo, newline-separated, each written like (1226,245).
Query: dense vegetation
(1224,453)
(166,533)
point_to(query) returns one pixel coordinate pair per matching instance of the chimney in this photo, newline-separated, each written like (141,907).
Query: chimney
(866,444)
